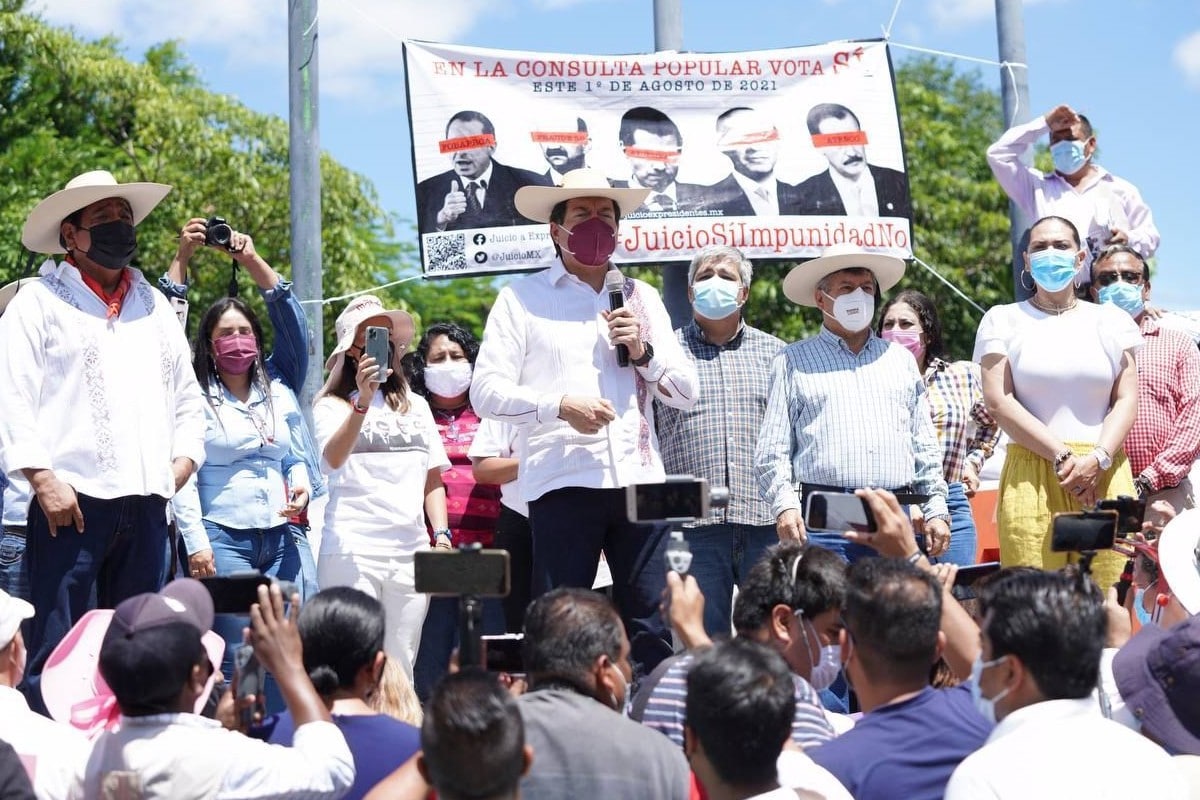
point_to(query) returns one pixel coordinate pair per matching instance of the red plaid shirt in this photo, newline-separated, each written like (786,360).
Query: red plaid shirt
(1165,437)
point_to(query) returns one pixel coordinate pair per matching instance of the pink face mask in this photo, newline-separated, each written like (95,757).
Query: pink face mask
(910,340)
(592,242)
(235,353)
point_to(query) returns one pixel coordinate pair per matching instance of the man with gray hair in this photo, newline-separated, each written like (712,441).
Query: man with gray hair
(714,439)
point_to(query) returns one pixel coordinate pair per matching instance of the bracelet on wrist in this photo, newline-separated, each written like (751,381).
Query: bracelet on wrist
(914,556)
(1061,457)
(359,409)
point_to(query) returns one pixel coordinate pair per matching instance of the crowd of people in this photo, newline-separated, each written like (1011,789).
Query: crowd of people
(789,659)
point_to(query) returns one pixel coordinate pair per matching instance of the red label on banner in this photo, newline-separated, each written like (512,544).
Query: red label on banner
(750,138)
(664,156)
(839,139)
(559,137)
(466,143)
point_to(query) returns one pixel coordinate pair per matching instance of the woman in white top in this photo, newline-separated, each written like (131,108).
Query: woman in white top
(385,458)
(1059,377)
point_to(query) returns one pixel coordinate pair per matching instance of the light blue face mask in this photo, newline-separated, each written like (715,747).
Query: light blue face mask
(1052,269)
(1068,156)
(1125,296)
(1144,617)
(715,297)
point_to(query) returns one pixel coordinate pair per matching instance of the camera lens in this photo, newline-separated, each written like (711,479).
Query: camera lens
(218,233)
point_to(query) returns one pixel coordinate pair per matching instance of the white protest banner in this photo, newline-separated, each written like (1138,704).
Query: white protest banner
(780,152)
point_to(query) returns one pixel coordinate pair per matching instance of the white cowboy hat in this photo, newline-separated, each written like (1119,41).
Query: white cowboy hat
(9,291)
(41,230)
(361,309)
(800,285)
(536,202)
(1179,558)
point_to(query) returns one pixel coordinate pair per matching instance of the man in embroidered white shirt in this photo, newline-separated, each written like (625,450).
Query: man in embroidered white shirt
(101,410)
(550,365)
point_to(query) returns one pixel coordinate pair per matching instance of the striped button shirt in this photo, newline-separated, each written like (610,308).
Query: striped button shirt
(1165,436)
(847,419)
(965,429)
(665,708)
(715,438)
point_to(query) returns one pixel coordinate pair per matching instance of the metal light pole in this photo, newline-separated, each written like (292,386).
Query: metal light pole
(304,162)
(668,35)
(1014,95)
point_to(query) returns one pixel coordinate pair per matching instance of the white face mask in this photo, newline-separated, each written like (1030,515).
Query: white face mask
(448,378)
(985,705)
(853,311)
(826,662)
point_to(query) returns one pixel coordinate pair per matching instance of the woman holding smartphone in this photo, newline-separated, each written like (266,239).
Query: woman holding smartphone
(384,459)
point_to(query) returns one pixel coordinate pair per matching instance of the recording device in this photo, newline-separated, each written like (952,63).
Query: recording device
(613,282)
(836,511)
(1084,531)
(470,572)
(217,233)
(378,345)
(680,498)
(678,554)
(236,592)
(1130,512)
(249,676)
(504,653)
(967,576)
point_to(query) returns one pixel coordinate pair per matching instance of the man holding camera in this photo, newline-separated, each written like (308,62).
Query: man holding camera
(846,409)
(102,413)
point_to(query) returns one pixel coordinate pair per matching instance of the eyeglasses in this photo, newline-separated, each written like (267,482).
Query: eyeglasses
(1109,278)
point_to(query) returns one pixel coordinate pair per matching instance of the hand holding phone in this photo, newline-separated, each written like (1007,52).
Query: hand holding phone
(249,677)
(838,512)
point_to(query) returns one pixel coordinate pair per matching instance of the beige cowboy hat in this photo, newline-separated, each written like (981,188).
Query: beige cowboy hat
(800,285)
(9,291)
(536,202)
(41,230)
(361,309)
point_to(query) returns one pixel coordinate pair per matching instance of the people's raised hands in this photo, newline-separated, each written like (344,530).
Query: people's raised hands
(683,608)
(273,631)
(893,535)
(1061,118)
(191,238)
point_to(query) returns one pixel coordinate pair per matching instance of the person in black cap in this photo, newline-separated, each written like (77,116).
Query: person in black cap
(154,661)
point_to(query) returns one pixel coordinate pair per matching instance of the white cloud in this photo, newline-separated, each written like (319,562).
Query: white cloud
(360,40)
(948,14)
(1187,58)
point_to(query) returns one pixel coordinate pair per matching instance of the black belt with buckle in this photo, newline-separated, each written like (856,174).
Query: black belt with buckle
(905,495)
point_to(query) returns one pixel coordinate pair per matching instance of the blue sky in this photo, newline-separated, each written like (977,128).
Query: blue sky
(1120,61)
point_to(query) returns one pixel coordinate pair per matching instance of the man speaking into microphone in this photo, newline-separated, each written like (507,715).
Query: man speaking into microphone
(550,365)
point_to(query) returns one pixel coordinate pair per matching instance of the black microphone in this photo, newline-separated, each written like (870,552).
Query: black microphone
(614,281)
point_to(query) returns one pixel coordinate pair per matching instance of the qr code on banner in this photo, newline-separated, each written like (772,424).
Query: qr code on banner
(446,252)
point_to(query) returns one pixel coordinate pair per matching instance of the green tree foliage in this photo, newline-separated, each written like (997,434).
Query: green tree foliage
(68,106)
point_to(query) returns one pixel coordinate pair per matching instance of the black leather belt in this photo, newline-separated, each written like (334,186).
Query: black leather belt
(905,495)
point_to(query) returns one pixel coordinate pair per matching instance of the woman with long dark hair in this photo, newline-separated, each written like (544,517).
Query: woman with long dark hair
(342,631)
(384,460)
(965,429)
(440,370)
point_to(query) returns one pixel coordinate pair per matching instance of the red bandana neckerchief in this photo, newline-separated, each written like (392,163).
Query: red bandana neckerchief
(113,301)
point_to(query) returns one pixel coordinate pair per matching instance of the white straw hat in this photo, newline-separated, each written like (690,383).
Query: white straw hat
(41,231)
(536,202)
(800,285)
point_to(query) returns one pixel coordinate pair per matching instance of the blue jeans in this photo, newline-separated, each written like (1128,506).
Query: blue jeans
(271,551)
(122,552)
(962,529)
(722,556)
(570,528)
(833,540)
(14,578)
(306,580)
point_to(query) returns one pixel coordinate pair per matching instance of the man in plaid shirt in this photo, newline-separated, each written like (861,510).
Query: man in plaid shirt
(1165,438)
(715,438)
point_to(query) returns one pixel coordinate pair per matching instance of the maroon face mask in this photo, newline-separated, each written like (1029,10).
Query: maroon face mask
(235,353)
(592,242)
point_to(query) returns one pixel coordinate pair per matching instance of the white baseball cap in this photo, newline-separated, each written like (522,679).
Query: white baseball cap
(13,611)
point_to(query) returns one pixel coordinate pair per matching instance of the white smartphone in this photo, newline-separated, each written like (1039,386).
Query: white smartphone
(838,512)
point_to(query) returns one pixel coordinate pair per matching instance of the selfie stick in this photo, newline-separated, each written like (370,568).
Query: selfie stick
(470,623)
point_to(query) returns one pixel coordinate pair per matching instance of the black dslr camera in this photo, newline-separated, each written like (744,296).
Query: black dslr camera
(217,233)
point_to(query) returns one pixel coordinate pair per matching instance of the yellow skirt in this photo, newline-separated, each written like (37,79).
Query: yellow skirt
(1029,498)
